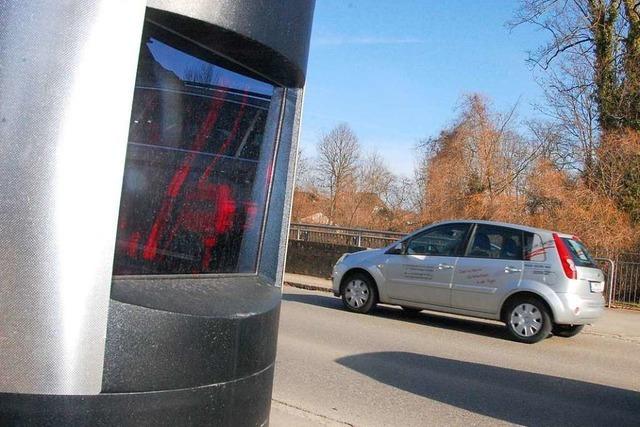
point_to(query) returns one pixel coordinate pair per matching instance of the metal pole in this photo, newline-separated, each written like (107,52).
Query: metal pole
(612,283)
(612,268)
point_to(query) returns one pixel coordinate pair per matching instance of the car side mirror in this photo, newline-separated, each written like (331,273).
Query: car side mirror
(398,249)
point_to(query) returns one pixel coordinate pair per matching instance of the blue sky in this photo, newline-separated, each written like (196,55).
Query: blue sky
(396,70)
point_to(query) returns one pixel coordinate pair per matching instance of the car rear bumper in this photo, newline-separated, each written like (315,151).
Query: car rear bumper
(578,310)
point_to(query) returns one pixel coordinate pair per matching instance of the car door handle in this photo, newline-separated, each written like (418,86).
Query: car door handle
(445,266)
(512,270)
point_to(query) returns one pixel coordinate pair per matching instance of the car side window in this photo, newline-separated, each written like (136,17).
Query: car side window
(490,241)
(534,249)
(444,240)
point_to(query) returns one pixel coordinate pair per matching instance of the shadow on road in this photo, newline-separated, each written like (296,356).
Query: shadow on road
(514,396)
(424,318)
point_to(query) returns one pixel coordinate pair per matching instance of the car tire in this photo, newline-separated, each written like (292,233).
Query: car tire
(567,331)
(411,311)
(359,293)
(528,320)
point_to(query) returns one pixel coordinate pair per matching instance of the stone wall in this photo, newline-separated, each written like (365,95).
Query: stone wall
(313,258)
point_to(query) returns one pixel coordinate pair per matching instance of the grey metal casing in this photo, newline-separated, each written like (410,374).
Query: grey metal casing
(280,30)
(67,72)
(66,87)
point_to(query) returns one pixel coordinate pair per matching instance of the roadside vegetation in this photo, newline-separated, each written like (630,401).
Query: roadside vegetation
(577,169)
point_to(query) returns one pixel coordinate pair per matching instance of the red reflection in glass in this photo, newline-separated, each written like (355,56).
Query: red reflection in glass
(197,173)
(150,249)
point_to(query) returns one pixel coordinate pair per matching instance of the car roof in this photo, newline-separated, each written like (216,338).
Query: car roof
(498,223)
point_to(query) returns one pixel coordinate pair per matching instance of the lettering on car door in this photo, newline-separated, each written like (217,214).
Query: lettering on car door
(423,273)
(491,265)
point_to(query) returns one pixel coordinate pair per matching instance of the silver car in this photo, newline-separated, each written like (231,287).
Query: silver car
(535,281)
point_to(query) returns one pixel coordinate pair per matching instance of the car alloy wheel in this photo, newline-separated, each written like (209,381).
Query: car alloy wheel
(357,293)
(526,320)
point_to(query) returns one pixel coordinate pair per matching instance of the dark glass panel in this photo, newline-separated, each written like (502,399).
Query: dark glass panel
(198,165)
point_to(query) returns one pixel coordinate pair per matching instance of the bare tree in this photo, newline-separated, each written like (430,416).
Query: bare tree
(594,60)
(417,199)
(601,39)
(617,173)
(477,164)
(338,155)
(400,203)
(373,182)
(573,111)
(304,172)
(374,177)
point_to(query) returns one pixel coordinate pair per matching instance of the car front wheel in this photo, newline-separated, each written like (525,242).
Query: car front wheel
(359,293)
(528,320)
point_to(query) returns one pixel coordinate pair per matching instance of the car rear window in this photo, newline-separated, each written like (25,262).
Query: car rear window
(579,253)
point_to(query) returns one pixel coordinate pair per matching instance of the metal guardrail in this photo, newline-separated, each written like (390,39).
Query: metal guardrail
(622,287)
(626,292)
(343,236)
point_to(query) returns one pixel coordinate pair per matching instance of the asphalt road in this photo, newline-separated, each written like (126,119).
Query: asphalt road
(339,368)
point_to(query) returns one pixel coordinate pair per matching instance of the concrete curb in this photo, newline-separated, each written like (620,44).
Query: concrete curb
(308,287)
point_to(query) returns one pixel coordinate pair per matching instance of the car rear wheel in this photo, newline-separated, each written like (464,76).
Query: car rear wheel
(528,320)
(567,331)
(359,293)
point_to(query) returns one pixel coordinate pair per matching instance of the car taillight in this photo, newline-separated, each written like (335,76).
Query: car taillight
(568,265)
